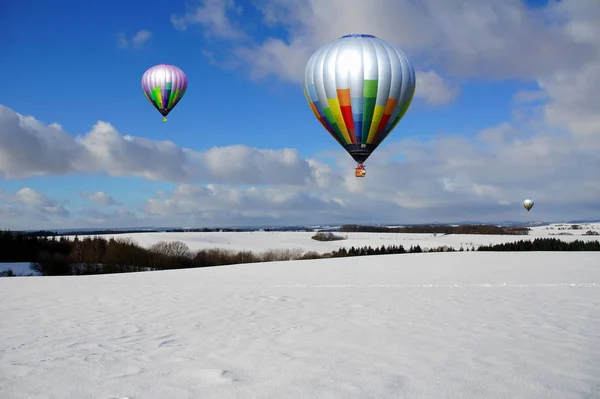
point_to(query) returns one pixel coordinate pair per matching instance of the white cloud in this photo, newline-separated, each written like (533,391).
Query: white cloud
(216,203)
(446,179)
(214,15)
(497,134)
(141,37)
(556,127)
(449,178)
(28,209)
(528,96)
(36,201)
(138,40)
(274,56)
(113,217)
(100,198)
(432,88)
(248,165)
(463,38)
(29,148)
(573,100)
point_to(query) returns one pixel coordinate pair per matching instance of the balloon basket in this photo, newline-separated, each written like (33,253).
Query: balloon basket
(360,172)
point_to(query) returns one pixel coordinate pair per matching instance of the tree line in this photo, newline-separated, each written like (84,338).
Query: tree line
(438,229)
(543,244)
(47,233)
(98,255)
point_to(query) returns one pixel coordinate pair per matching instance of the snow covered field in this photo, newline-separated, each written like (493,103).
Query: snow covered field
(432,325)
(263,241)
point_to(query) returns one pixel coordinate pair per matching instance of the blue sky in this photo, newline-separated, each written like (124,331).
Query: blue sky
(71,65)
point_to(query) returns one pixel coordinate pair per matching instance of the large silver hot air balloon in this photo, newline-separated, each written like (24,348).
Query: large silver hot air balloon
(528,204)
(164,86)
(359,87)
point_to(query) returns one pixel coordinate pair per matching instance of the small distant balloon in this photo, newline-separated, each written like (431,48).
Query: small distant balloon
(164,86)
(528,204)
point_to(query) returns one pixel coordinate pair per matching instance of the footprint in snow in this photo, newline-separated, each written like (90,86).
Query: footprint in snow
(274,298)
(211,376)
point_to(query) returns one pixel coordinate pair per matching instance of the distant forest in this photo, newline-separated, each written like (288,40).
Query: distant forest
(48,233)
(438,229)
(98,255)
(349,228)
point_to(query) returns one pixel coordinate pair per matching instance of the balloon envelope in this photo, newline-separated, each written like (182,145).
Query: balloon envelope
(359,87)
(528,204)
(164,86)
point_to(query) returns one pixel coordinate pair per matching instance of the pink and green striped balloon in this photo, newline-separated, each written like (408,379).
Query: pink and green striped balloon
(164,86)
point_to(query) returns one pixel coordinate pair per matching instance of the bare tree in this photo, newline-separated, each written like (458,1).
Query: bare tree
(174,249)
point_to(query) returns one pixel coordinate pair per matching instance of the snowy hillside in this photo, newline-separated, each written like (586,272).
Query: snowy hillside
(439,325)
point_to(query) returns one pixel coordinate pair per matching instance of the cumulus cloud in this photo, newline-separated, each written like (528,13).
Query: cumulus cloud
(107,218)
(433,89)
(29,148)
(40,202)
(137,40)
(217,203)
(448,178)
(215,16)
(556,128)
(28,207)
(493,39)
(284,59)
(574,102)
(100,198)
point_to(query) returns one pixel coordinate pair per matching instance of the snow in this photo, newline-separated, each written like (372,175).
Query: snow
(259,241)
(430,325)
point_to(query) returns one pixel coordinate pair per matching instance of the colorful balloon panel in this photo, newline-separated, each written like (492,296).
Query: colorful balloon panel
(164,86)
(359,87)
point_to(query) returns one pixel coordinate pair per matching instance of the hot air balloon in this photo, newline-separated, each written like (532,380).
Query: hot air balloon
(528,204)
(164,86)
(359,87)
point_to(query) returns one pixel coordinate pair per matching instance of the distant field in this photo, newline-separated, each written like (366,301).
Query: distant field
(263,241)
